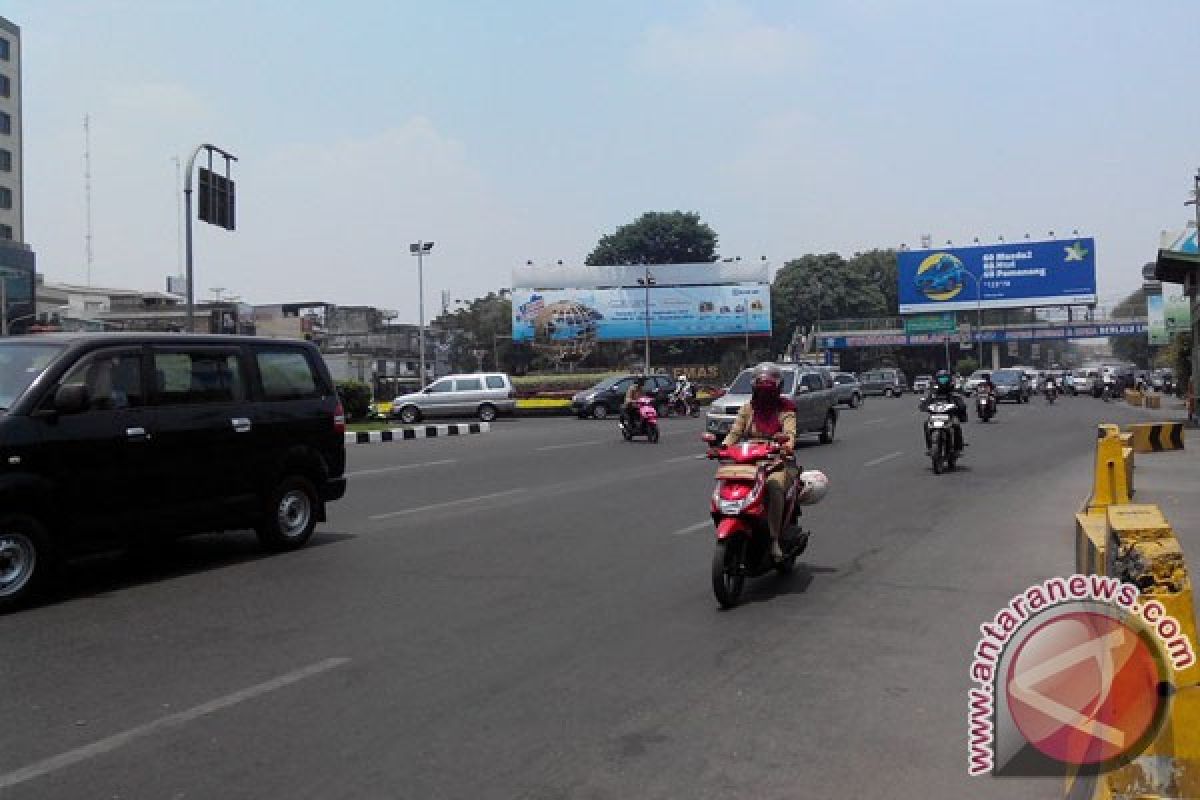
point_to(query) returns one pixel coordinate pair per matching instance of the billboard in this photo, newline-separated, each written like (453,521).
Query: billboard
(1168,313)
(563,315)
(1052,273)
(1082,330)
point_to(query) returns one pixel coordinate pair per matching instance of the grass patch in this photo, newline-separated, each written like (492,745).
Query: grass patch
(370,425)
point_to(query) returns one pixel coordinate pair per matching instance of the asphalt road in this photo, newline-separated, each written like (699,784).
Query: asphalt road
(527,614)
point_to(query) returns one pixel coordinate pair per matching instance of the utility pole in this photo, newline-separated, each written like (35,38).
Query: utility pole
(216,207)
(87,195)
(647,282)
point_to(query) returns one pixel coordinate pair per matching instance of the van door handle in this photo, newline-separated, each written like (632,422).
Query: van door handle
(241,424)
(136,434)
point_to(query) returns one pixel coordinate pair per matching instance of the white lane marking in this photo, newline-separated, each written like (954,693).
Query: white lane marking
(875,421)
(875,461)
(381,470)
(677,459)
(565,446)
(108,744)
(448,504)
(699,526)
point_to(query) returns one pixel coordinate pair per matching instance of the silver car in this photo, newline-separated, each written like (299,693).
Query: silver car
(481,394)
(810,388)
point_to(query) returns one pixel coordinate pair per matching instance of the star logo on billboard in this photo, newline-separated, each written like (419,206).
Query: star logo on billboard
(1076,252)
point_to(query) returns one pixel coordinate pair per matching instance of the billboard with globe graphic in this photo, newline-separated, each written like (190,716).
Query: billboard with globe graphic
(1018,275)
(567,309)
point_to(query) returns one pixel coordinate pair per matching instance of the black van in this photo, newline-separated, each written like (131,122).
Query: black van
(108,438)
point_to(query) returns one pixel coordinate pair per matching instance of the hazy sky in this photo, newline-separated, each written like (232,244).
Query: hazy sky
(507,131)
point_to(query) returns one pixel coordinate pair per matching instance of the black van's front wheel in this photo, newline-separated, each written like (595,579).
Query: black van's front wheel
(25,559)
(290,516)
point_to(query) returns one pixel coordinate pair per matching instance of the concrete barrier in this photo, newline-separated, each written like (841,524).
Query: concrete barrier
(1153,437)
(1136,543)
(417,432)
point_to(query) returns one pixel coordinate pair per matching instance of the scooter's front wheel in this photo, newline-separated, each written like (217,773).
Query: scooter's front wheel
(937,452)
(652,433)
(728,577)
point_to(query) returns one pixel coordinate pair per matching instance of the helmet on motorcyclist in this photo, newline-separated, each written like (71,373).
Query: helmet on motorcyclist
(943,382)
(766,384)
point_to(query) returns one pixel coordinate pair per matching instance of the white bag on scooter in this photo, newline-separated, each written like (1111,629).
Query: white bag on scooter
(813,486)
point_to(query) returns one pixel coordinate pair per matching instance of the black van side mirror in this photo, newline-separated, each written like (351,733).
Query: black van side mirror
(71,399)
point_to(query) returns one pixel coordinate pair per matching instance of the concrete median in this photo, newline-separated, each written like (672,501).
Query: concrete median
(417,432)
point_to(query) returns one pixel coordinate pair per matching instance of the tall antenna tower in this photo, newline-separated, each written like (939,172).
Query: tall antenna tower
(87,193)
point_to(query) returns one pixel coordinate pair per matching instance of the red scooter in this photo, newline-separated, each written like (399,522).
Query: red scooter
(739,511)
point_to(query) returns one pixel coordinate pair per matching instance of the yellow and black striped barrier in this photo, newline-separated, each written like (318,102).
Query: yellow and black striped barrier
(1153,437)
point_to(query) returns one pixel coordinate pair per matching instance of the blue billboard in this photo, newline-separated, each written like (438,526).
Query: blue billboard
(1054,273)
(555,316)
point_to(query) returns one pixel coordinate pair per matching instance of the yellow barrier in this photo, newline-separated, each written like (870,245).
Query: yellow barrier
(1133,397)
(1136,543)
(1153,401)
(1151,437)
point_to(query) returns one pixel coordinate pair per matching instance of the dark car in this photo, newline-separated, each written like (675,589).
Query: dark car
(108,439)
(1011,385)
(607,396)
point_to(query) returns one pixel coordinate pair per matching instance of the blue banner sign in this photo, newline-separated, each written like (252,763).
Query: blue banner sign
(556,316)
(1054,273)
(1081,331)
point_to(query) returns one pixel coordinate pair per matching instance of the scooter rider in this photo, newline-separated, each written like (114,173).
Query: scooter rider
(629,409)
(767,415)
(943,389)
(683,390)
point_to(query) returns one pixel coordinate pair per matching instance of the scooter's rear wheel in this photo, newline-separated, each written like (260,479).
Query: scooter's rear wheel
(728,577)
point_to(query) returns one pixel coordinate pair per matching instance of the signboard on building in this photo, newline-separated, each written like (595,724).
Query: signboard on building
(1058,272)
(930,323)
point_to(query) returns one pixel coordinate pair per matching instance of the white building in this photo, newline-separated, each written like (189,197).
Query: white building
(12,206)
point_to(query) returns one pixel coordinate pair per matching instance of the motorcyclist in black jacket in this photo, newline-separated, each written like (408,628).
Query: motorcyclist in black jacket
(943,389)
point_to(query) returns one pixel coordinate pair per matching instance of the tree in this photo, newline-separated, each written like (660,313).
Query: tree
(1131,348)
(484,324)
(825,287)
(658,237)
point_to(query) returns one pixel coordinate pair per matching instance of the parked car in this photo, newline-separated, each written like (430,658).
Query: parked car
(1011,384)
(887,382)
(847,389)
(1083,380)
(810,388)
(482,394)
(607,396)
(921,383)
(114,438)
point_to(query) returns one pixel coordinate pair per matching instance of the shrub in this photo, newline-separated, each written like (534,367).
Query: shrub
(356,399)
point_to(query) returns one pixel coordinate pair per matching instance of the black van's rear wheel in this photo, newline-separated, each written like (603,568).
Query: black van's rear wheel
(290,516)
(728,577)
(26,559)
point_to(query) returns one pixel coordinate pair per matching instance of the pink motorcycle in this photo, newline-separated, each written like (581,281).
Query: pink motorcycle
(644,424)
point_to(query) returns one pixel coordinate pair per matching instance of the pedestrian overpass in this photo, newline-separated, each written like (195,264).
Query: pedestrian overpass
(847,334)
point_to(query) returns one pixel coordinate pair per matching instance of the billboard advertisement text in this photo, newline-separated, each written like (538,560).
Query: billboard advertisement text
(1053,273)
(560,315)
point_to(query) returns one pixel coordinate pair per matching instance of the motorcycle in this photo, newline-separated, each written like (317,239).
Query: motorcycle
(985,405)
(1108,391)
(1051,392)
(646,423)
(683,403)
(943,431)
(739,511)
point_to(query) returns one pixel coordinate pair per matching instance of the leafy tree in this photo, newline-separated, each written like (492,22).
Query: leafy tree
(355,397)
(1131,348)
(827,286)
(658,237)
(483,324)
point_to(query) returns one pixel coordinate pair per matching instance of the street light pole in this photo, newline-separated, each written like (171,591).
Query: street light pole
(647,282)
(420,249)
(187,216)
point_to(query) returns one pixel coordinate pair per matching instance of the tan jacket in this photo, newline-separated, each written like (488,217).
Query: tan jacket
(743,427)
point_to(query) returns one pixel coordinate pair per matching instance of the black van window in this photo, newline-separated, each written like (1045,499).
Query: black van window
(113,379)
(286,375)
(198,376)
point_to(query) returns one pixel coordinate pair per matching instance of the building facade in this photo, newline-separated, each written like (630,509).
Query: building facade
(17,260)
